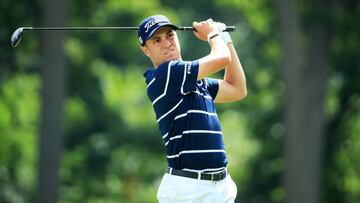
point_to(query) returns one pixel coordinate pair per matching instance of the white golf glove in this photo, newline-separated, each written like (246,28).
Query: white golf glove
(225,36)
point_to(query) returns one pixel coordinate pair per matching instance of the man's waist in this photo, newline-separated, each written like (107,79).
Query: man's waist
(213,176)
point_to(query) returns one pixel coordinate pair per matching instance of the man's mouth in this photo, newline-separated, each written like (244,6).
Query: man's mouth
(169,52)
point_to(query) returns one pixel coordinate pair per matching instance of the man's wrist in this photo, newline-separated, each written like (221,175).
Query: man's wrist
(212,34)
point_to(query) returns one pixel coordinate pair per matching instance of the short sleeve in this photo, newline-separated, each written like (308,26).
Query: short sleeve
(212,86)
(183,76)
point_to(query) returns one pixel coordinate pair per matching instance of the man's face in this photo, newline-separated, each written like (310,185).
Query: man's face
(162,46)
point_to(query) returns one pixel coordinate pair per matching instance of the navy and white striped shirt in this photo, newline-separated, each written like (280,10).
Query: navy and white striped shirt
(186,116)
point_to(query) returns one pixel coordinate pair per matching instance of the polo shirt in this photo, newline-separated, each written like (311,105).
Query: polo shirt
(186,116)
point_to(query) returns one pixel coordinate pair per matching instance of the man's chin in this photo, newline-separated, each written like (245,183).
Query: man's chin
(170,58)
(173,58)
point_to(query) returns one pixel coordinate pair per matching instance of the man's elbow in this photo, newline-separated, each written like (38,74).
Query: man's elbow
(241,94)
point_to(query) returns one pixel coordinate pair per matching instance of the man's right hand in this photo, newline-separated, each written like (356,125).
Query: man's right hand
(204,28)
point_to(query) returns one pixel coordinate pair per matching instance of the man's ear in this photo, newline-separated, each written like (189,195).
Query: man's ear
(145,50)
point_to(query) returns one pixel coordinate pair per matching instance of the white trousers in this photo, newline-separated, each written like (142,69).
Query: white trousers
(177,189)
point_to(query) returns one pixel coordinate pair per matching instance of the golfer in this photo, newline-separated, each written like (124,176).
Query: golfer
(183,99)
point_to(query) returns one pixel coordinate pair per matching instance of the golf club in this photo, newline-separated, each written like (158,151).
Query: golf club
(17,35)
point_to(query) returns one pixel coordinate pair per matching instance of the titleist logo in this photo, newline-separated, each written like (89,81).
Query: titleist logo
(150,24)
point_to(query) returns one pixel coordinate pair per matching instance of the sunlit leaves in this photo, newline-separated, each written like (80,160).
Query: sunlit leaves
(347,160)
(19,107)
(258,13)
(125,93)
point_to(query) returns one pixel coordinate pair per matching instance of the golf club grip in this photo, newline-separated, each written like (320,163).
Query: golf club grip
(189,28)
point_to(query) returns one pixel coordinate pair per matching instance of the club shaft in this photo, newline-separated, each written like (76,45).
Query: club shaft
(17,35)
(80,28)
(183,28)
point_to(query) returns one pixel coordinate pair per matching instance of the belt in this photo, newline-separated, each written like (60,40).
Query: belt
(202,176)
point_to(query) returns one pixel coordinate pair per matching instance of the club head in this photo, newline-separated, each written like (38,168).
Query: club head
(16,37)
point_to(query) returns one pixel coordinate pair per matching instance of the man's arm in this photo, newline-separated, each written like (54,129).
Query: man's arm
(219,56)
(233,85)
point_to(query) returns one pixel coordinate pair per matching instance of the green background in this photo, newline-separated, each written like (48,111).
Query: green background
(111,149)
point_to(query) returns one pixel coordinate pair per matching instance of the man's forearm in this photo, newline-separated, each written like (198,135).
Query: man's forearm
(234,73)
(218,58)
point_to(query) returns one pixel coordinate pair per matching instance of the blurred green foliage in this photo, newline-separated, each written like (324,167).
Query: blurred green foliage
(112,150)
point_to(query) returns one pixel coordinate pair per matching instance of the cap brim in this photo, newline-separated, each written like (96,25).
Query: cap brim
(160,26)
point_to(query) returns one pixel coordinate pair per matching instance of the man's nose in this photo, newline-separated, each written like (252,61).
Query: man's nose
(167,42)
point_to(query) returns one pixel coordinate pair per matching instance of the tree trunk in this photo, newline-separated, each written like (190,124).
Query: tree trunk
(304,76)
(53,77)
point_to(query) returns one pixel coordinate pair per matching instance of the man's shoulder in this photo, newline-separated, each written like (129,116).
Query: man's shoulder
(164,67)
(173,67)
(176,63)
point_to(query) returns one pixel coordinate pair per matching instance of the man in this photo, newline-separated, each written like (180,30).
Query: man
(183,101)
